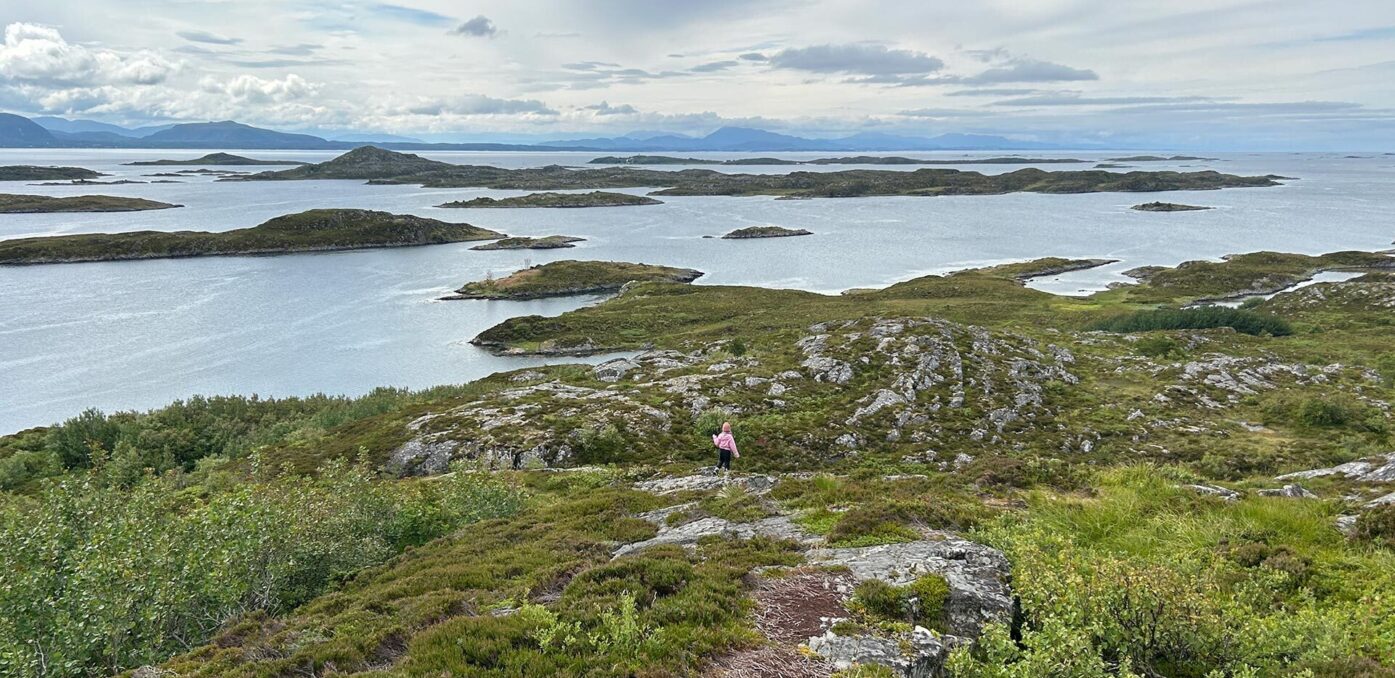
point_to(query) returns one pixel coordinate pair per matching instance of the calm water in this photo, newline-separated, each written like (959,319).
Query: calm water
(139,334)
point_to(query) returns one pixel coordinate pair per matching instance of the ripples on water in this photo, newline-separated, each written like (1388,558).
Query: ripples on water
(138,334)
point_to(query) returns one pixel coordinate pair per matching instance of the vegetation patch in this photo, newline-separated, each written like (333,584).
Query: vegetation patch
(1198,318)
(37,173)
(764,232)
(550,242)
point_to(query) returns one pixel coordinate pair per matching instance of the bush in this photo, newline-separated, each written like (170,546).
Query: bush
(1198,318)
(871,524)
(1377,526)
(1158,346)
(931,592)
(880,600)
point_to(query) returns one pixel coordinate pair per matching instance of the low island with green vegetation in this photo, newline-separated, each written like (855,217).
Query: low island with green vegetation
(379,166)
(559,200)
(570,277)
(321,230)
(549,242)
(955,473)
(215,159)
(844,160)
(751,232)
(33,204)
(1046,266)
(1158,206)
(37,173)
(1159,158)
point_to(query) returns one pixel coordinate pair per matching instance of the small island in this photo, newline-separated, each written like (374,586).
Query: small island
(1158,158)
(847,160)
(36,173)
(570,277)
(559,200)
(216,159)
(321,230)
(752,232)
(1039,268)
(1167,207)
(551,242)
(36,204)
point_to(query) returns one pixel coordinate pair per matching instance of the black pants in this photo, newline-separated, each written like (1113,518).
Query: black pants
(724,459)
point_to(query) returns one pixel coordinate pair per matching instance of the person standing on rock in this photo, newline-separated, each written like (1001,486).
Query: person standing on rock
(726,447)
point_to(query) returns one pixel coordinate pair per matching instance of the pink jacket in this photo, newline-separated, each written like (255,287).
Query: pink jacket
(727,442)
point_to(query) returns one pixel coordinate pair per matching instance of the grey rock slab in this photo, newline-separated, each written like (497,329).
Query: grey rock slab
(918,654)
(977,575)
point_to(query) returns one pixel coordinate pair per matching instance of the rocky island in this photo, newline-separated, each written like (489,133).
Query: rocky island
(32,204)
(387,167)
(550,242)
(569,277)
(1046,266)
(1167,207)
(559,200)
(847,160)
(36,173)
(311,231)
(764,232)
(216,159)
(1158,158)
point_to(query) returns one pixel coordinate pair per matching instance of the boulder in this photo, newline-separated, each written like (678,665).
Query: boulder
(918,654)
(1215,491)
(1291,491)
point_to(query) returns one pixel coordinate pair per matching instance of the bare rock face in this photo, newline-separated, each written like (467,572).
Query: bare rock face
(978,575)
(1215,491)
(1290,491)
(776,527)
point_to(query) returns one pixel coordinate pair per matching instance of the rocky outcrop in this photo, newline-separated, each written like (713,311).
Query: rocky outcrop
(688,534)
(917,654)
(1379,470)
(978,575)
(1290,491)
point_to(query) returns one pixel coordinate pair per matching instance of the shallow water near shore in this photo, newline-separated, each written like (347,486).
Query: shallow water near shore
(134,335)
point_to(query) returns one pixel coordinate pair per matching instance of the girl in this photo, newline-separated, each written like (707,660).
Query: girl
(726,447)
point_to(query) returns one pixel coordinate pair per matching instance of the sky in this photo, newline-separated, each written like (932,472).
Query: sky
(1219,74)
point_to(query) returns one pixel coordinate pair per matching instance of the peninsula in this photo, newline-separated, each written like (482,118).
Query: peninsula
(33,204)
(216,159)
(559,200)
(311,231)
(570,277)
(386,167)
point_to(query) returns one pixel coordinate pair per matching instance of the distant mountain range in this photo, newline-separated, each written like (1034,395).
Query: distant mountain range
(50,132)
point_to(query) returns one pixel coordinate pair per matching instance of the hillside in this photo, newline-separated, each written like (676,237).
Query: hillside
(364,162)
(929,473)
(229,134)
(216,159)
(310,231)
(559,200)
(36,173)
(20,132)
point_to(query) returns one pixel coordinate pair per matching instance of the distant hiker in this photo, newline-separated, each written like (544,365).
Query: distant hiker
(726,447)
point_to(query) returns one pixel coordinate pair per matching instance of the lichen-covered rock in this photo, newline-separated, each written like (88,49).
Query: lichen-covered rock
(614,370)
(1290,491)
(755,484)
(1215,491)
(687,534)
(917,654)
(978,575)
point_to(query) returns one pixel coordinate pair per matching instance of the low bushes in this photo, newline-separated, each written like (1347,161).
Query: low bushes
(1199,318)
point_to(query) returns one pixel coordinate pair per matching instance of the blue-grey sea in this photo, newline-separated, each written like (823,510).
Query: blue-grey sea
(136,335)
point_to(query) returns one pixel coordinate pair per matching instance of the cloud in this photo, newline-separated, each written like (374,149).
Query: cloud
(412,15)
(942,113)
(479,104)
(753,56)
(1077,100)
(604,108)
(38,55)
(991,92)
(864,59)
(1380,33)
(252,89)
(209,38)
(1021,69)
(713,66)
(479,27)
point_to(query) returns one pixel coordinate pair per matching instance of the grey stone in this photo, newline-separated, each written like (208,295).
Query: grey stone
(1215,491)
(918,654)
(614,370)
(777,527)
(1291,491)
(977,575)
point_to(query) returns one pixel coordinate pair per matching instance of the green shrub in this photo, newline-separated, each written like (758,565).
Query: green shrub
(1377,526)
(882,601)
(1197,318)
(931,592)
(734,503)
(872,524)
(1158,346)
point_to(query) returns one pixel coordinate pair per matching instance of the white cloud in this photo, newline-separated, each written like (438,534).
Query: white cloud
(856,58)
(39,56)
(251,88)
